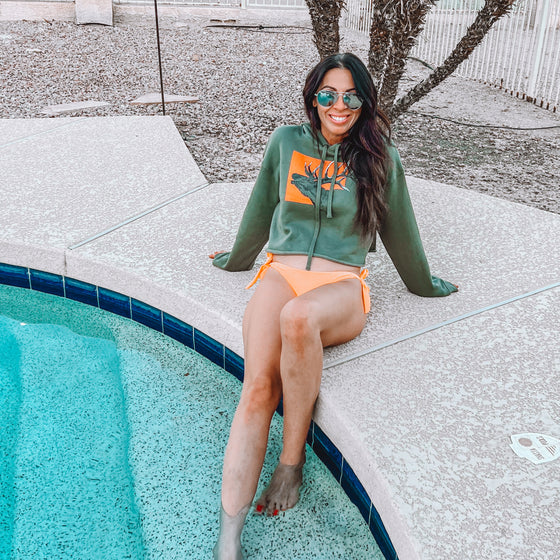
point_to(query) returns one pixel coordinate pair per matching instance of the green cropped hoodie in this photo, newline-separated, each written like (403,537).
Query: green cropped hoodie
(304,202)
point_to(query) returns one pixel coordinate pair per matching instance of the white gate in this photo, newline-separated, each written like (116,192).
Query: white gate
(520,54)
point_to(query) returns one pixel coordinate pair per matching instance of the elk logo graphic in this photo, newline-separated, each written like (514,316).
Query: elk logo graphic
(303,175)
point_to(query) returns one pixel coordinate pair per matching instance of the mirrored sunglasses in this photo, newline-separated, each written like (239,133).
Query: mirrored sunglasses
(327,98)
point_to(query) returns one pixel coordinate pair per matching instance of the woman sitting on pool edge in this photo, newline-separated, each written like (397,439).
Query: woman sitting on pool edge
(324,189)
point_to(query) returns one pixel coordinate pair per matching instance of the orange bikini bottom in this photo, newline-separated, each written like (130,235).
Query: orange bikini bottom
(302,281)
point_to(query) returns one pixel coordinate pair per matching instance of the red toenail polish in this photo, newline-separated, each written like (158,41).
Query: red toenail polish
(259,508)
(275,512)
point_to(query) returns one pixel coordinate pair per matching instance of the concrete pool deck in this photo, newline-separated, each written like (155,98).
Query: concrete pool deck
(422,405)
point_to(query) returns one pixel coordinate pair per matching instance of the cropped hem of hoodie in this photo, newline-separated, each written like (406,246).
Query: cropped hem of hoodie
(304,202)
(326,257)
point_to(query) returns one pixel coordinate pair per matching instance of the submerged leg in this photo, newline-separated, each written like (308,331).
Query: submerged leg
(228,546)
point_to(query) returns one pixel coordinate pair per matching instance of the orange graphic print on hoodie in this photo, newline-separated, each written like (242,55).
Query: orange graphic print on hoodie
(302,178)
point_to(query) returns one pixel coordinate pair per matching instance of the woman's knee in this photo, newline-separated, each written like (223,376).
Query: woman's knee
(297,320)
(260,396)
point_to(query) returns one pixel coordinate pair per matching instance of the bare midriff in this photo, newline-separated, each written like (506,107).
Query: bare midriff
(318,264)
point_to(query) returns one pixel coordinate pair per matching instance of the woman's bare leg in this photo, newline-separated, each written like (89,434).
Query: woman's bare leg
(262,388)
(326,316)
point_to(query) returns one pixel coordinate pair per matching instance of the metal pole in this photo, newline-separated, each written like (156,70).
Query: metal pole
(159,58)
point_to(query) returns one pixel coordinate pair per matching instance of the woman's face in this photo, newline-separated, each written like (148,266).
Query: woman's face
(337,120)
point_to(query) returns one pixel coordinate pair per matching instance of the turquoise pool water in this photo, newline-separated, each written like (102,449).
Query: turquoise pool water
(111,443)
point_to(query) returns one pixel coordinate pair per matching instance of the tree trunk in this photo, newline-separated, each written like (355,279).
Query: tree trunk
(492,11)
(379,40)
(324,19)
(408,21)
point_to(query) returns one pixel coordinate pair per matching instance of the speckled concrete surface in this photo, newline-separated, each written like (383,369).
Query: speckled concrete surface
(493,249)
(456,226)
(70,176)
(436,414)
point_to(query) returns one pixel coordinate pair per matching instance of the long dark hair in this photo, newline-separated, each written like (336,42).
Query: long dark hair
(364,149)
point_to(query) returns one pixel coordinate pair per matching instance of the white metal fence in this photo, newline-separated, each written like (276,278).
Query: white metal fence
(275,3)
(520,54)
(224,3)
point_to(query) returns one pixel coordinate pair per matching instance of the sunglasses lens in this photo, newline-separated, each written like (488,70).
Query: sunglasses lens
(326,98)
(352,101)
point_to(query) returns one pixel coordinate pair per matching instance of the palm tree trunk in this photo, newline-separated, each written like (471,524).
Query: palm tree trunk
(379,40)
(491,12)
(324,19)
(409,19)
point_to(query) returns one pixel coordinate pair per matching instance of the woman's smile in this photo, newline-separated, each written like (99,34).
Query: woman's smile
(338,119)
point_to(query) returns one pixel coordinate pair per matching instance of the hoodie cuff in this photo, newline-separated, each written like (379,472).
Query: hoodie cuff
(442,287)
(221,260)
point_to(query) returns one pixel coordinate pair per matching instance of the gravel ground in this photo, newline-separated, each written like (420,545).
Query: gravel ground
(249,82)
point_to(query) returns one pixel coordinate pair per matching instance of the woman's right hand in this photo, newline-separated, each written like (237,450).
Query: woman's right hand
(212,255)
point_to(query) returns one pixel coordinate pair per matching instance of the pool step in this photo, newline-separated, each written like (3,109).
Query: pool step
(74,495)
(10,393)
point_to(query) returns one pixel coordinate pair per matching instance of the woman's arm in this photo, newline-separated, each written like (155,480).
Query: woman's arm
(401,238)
(254,229)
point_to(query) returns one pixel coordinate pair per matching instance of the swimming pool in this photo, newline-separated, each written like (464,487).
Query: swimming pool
(115,446)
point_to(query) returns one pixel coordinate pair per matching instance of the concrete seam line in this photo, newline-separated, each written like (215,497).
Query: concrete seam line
(136,217)
(48,131)
(414,334)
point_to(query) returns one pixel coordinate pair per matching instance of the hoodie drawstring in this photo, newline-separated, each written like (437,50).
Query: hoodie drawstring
(317,208)
(333,182)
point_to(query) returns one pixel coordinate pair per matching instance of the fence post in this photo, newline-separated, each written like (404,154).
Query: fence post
(537,61)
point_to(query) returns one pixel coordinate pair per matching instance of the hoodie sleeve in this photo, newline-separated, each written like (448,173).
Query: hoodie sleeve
(401,238)
(254,228)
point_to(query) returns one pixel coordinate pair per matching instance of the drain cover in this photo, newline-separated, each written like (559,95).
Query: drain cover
(538,448)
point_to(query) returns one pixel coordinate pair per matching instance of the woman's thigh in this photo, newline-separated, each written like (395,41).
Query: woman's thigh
(261,327)
(335,310)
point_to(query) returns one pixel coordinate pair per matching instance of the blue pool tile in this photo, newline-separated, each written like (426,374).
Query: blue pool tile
(381,537)
(327,452)
(114,302)
(209,348)
(14,276)
(146,314)
(47,282)
(81,291)
(356,492)
(359,497)
(234,364)
(177,329)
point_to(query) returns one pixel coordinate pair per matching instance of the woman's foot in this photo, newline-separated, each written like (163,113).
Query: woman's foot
(228,546)
(282,492)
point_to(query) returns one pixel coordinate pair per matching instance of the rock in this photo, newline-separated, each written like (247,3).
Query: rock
(53,110)
(94,11)
(154,98)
